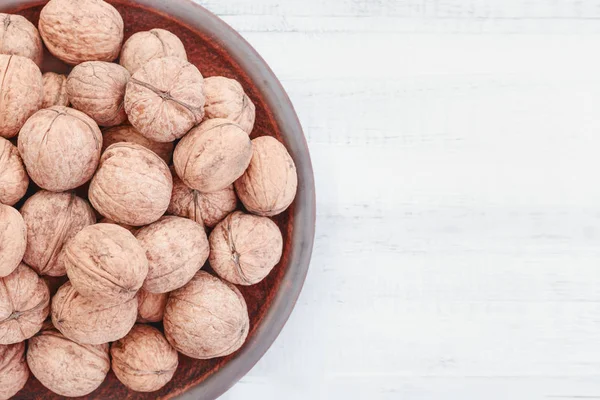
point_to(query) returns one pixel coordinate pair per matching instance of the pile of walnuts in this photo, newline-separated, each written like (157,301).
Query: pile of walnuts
(168,158)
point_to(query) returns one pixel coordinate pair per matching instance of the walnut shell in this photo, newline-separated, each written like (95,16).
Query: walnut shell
(165,99)
(143,360)
(269,185)
(14,181)
(127,133)
(52,219)
(143,47)
(76,31)
(176,249)
(20,38)
(13,239)
(55,90)
(132,185)
(24,305)
(13,369)
(97,88)
(151,306)
(105,263)
(22,91)
(225,98)
(213,155)
(244,248)
(66,367)
(110,221)
(206,318)
(91,322)
(60,147)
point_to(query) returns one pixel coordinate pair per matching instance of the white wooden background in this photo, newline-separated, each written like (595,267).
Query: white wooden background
(456,146)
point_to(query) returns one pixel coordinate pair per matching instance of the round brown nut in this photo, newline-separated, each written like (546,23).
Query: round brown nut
(14,181)
(24,305)
(225,98)
(206,318)
(52,219)
(110,221)
(176,249)
(151,306)
(269,185)
(213,155)
(105,263)
(76,31)
(127,133)
(143,360)
(55,90)
(244,248)
(13,369)
(65,367)
(132,185)
(13,239)
(22,90)
(91,322)
(20,38)
(143,47)
(60,147)
(165,99)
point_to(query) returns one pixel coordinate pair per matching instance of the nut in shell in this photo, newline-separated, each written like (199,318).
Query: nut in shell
(14,180)
(151,306)
(225,98)
(13,239)
(127,133)
(143,47)
(20,38)
(13,369)
(55,90)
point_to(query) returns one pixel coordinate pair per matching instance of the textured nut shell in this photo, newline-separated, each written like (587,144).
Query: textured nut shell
(55,90)
(143,47)
(89,322)
(13,239)
(20,38)
(127,133)
(244,248)
(66,367)
(206,318)
(81,30)
(132,185)
(213,155)
(269,185)
(24,300)
(165,99)
(60,147)
(143,360)
(151,306)
(13,369)
(105,263)
(110,221)
(52,219)
(14,181)
(176,249)
(225,98)
(21,93)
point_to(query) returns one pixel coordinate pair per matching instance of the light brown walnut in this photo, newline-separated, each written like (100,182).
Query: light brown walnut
(225,98)
(13,239)
(55,90)
(20,38)
(151,306)
(127,133)
(13,369)
(143,47)
(14,180)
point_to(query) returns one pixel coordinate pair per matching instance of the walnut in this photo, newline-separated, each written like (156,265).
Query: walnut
(97,88)
(24,300)
(165,99)
(143,47)
(244,248)
(55,90)
(76,31)
(143,360)
(268,186)
(13,368)
(60,147)
(110,221)
(13,239)
(176,249)
(52,219)
(91,322)
(105,263)
(66,367)
(206,318)
(20,38)
(22,91)
(14,180)
(127,133)
(225,98)
(151,306)
(132,185)
(213,155)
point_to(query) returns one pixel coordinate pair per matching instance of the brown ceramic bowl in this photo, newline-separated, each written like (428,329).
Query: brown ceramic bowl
(216,49)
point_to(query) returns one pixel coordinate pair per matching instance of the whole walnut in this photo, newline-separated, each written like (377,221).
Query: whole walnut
(105,263)
(110,221)
(127,133)
(55,90)
(24,305)
(13,368)
(244,248)
(76,31)
(143,47)
(13,239)
(20,38)
(165,99)
(91,322)
(97,88)
(22,91)
(269,185)
(14,181)
(52,219)
(65,367)
(213,155)
(206,318)
(176,249)
(132,185)
(143,360)
(225,98)
(151,306)
(60,147)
